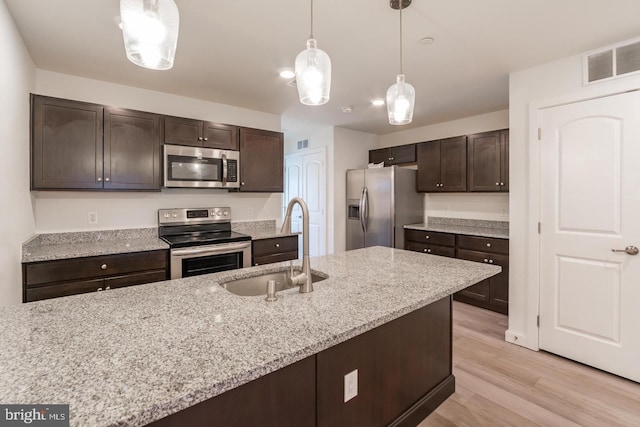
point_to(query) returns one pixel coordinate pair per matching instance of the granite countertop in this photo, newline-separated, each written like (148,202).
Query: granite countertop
(470,227)
(129,356)
(54,246)
(258,230)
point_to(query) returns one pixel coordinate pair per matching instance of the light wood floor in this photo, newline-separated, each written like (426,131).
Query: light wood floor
(501,384)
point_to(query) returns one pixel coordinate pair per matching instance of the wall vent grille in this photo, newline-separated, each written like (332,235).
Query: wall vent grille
(304,143)
(613,62)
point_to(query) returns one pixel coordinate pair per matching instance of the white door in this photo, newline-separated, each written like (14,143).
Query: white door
(293,188)
(306,178)
(590,204)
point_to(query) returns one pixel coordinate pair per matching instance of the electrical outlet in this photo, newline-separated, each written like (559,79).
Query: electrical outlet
(350,385)
(93,217)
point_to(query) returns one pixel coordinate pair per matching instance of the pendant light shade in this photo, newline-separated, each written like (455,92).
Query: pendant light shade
(401,96)
(313,75)
(313,72)
(150,31)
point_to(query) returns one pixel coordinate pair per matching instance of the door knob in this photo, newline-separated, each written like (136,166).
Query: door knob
(631,250)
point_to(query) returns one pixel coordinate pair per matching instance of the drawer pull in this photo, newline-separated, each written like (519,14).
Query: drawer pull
(490,261)
(277,245)
(256,264)
(103,266)
(497,183)
(107,288)
(429,251)
(426,237)
(488,245)
(99,289)
(486,260)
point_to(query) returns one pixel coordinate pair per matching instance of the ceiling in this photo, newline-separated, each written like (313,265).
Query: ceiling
(230,52)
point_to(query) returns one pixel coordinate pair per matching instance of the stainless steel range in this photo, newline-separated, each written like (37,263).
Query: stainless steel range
(202,242)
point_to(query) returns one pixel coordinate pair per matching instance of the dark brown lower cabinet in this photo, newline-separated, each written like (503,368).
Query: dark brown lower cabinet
(59,278)
(404,373)
(492,293)
(268,251)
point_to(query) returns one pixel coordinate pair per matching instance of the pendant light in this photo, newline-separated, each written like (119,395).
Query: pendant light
(401,96)
(313,72)
(150,31)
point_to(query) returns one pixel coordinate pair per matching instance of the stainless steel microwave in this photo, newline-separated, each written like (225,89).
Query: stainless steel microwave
(200,167)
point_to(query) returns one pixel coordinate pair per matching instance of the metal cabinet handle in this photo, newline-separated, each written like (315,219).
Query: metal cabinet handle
(199,138)
(277,245)
(486,260)
(99,289)
(490,261)
(426,237)
(107,288)
(206,139)
(428,251)
(629,250)
(256,264)
(99,179)
(502,183)
(103,266)
(242,183)
(107,179)
(488,245)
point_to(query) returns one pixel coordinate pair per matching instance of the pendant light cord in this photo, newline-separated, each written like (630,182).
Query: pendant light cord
(311,36)
(400,7)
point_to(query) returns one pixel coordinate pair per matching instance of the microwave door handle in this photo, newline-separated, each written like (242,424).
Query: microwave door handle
(225,169)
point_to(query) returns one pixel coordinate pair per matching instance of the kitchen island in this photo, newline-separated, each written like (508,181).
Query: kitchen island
(136,355)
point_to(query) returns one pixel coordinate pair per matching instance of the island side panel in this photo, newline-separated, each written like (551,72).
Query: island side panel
(286,397)
(404,371)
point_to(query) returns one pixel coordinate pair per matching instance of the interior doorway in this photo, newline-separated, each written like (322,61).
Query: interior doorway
(306,177)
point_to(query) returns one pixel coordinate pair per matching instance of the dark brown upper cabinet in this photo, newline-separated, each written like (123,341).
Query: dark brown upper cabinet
(132,150)
(442,165)
(66,150)
(394,155)
(488,161)
(181,131)
(261,161)
(82,146)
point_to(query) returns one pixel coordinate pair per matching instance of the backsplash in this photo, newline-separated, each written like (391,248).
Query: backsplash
(463,222)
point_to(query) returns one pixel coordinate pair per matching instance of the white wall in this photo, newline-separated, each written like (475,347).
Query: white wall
(67,211)
(351,152)
(490,206)
(17,79)
(550,84)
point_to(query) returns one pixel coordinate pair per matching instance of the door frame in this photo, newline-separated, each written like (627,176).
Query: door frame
(306,151)
(530,338)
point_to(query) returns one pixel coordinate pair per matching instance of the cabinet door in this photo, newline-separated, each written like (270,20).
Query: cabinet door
(180,131)
(261,161)
(431,249)
(222,137)
(484,161)
(135,279)
(504,160)
(131,150)
(382,155)
(63,289)
(403,154)
(499,285)
(453,164)
(66,144)
(428,177)
(480,292)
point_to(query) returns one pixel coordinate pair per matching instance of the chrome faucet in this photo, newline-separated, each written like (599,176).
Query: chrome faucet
(303,279)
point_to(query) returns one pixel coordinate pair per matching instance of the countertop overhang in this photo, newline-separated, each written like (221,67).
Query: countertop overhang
(134,355)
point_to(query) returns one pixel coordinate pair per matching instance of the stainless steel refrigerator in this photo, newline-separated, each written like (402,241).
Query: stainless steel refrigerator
(380,201)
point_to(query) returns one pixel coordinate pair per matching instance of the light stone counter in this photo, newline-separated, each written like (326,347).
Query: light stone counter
(258,230)
(470,227)
(134,355)
(53,246)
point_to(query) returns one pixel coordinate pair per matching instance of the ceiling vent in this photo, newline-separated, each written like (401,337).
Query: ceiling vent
(617,61)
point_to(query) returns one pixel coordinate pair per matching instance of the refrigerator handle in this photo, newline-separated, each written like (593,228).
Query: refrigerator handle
(364,210)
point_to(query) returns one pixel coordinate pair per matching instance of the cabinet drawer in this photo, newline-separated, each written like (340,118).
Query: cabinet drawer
(485,244)
(273,246)
(93,267)
(135,279)
(432,237)
(270,259)
(63,289)
(431,249)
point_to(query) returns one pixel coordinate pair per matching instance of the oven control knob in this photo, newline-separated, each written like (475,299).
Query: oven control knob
(218,212)
(225,213)
(175,215)
(167,215)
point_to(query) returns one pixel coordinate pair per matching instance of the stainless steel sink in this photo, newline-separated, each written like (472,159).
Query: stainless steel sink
(257,285)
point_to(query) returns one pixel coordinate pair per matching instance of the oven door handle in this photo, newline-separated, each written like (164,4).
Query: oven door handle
(211,250)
